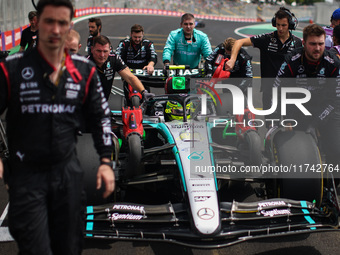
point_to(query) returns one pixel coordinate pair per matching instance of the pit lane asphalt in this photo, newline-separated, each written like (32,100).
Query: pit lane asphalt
(157,29)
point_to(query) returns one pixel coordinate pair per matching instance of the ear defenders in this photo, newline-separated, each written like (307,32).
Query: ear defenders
(292,20)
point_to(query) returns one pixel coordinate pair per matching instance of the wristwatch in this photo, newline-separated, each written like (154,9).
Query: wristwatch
(111,164)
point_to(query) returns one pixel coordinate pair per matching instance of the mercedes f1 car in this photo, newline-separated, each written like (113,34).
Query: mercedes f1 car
(199,23)
(175,159)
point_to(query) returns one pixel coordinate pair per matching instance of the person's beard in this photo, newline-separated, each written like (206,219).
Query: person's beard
(311,55)
(95,33)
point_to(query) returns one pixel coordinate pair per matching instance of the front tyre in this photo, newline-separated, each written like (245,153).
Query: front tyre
(135,153)
(135,101)
(254,143)
(294,149)
(89,162)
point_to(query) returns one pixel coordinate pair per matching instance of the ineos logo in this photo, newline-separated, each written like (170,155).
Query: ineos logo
(159,113)
(205,214)
(27,73)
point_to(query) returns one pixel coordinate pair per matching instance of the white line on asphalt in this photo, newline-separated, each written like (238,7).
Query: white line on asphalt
(5,236)
(4,213)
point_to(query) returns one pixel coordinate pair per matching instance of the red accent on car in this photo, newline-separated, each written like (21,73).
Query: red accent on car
(132,120)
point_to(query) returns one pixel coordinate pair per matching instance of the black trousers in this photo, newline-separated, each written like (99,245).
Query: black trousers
(46,207)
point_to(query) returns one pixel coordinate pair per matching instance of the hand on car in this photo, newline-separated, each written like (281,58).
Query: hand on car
(149,69)
(229,65)
(147,95)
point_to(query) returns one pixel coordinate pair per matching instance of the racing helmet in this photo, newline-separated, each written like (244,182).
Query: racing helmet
(174,111)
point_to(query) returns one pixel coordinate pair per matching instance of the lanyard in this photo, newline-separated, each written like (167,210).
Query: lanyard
(62,69)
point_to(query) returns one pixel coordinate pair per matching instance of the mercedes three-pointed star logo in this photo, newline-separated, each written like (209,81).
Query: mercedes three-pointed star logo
(205,213)
(27,73)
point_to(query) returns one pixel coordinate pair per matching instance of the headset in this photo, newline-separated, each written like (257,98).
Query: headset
(292,20)
(35,7)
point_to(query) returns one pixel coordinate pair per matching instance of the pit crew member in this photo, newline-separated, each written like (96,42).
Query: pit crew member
(30,34)
(315,69)
(186,44)
(72,42)
(242,68)
(138,53)
(335,20)
(336,41)
(46,92)
(95,28)
(273,47)
(107,64)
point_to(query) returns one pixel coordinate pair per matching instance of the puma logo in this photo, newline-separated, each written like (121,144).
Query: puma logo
(21,156)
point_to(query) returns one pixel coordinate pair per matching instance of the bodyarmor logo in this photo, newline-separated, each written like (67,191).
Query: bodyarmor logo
(27,73)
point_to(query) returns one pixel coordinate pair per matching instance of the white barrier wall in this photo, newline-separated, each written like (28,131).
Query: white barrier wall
(13,13)
(324,12)
(302,13)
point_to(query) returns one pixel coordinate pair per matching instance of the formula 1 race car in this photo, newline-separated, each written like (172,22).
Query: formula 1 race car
(199,23)
(176,157)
